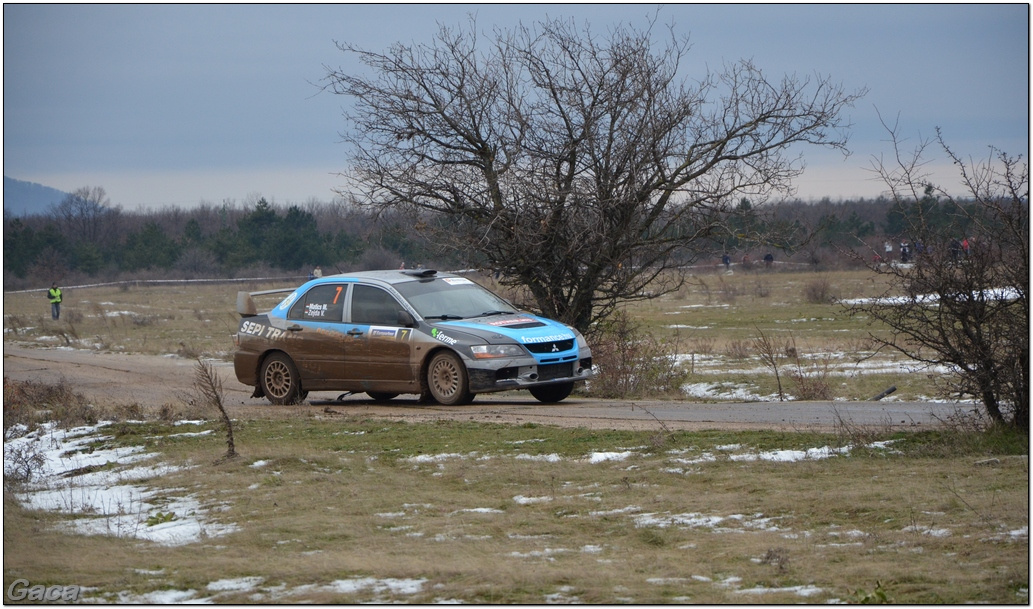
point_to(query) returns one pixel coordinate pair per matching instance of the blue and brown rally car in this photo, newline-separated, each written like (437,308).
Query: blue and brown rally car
(386,333)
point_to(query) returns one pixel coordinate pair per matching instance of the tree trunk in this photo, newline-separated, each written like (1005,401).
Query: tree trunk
(992,407)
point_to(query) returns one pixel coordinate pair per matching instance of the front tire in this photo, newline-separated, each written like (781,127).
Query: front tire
(447,379)
(551,394)
(378,396)
(280,380)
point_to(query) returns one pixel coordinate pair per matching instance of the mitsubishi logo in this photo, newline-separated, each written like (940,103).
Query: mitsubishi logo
(555,348)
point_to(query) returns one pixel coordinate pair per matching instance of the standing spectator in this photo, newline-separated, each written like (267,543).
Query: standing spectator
(727,261)
(54,295)
(318,272)
(768,260)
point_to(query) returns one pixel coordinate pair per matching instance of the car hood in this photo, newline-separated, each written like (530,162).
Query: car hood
(522,328)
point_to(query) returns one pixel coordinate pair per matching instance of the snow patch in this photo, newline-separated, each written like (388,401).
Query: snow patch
(599,457)
(78,474)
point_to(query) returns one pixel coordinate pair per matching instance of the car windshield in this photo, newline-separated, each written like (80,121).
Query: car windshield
(452,298)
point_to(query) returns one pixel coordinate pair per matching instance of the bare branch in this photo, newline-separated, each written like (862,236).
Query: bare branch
(963,303)
(577,165)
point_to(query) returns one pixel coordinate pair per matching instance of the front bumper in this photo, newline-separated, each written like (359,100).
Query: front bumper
(521,375)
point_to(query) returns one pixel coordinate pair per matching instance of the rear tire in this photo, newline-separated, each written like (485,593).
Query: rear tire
(280,380)
(447,379)
(551,394)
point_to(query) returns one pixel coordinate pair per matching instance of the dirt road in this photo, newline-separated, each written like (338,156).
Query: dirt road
(152,381)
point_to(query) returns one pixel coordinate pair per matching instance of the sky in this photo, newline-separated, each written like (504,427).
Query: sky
(178,105)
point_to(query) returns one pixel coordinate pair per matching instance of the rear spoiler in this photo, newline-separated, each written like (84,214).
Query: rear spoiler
(246,306)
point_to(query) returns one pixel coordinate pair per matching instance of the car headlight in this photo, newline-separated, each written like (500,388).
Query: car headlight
(581,342)
(492,351)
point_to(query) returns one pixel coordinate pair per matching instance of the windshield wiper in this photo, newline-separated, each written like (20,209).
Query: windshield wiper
(490,313)
(443,317)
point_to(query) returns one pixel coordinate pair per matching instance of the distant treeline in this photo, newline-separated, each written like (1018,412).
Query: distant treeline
(100,241)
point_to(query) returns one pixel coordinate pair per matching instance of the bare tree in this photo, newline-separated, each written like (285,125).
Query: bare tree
(770,354)
(84,213)
(963,302)
(208,392)
(578,166)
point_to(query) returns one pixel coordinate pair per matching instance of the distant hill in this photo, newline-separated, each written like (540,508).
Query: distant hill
(24,198)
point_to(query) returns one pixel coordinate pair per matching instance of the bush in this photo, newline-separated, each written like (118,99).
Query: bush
(633,362)
(819,291)
(28,404)
(810,384)
(23,462)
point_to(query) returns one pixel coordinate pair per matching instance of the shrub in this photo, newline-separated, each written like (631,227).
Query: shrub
(738,349)
(632,361)
(28,404)
(22,462)
(208,391)
(811,384)
(819,290)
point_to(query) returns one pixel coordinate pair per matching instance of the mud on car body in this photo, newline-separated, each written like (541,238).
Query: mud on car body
(386,333)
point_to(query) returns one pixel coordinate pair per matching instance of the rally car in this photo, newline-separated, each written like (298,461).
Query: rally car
(387,333)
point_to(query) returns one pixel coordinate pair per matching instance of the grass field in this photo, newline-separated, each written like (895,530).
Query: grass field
(712,325)
(330,508)
(351,510)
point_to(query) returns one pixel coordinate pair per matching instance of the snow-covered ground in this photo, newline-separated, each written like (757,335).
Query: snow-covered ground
(105,486)
(829,364)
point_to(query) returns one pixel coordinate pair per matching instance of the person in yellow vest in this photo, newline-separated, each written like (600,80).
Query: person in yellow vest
(54,295)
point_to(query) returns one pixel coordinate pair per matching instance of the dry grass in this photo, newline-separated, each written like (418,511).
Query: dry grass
(482,522)
(720,317)
(188,320)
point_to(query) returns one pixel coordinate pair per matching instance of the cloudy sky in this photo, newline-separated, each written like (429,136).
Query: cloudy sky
(183,104)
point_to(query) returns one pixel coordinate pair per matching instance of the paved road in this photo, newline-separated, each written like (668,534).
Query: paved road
(625,414)
(152,381)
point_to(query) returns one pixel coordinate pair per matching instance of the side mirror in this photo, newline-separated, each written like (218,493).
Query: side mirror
(406,320)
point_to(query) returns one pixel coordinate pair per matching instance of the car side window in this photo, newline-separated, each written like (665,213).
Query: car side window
(321,303)
(374,306)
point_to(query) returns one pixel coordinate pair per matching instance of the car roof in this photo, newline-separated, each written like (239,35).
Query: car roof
(390,277)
